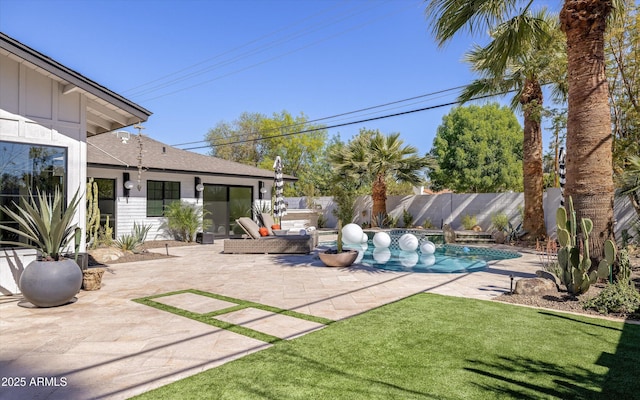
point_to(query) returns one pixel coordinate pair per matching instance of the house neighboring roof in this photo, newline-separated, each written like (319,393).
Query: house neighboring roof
(109,151)
(106,110)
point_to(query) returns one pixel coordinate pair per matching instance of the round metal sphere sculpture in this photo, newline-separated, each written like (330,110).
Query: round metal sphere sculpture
(382,240)
(408,242)
(351,234)
(428,248)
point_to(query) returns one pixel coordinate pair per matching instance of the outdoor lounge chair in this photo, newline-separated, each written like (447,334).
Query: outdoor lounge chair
(253,243)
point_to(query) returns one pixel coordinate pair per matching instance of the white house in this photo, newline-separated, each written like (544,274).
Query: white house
(47,112)
(59,128)
(137,176)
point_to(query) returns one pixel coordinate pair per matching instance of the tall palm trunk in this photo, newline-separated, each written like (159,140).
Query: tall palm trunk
(589,140)
(531,100)
(379,196)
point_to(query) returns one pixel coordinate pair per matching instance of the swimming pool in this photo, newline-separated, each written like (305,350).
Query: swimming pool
(448,258)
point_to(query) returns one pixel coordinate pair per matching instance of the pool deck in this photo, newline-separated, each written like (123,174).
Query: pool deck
(107,346)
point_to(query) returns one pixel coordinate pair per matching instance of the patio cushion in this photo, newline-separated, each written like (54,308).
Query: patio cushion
(268,222)
(250,227)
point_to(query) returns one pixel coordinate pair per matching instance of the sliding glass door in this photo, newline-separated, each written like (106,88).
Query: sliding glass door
(224,204)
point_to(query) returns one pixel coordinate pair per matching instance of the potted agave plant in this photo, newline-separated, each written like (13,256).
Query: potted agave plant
(337,257)
(51,280)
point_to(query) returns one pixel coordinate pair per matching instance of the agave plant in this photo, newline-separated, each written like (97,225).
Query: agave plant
(44,222)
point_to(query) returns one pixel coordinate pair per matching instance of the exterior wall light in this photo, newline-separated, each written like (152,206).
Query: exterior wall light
(261,190)
(127,183)
(199,187)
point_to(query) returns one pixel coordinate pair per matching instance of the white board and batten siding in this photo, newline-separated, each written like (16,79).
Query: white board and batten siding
(34,110)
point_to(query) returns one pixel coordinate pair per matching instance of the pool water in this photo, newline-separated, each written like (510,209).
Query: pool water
(448,258)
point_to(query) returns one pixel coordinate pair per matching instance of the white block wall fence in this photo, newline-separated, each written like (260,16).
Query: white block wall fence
(449,208)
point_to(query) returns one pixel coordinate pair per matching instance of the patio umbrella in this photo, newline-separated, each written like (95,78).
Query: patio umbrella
(562,172)
(279,208)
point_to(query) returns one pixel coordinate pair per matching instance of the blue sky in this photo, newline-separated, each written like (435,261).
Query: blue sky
(195,63)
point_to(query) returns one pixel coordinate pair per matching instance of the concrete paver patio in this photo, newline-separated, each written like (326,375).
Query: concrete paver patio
(107,346)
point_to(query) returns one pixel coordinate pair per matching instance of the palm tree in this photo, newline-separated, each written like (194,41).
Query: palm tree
(538,60)
(589,163)
(589,140)
(373,157)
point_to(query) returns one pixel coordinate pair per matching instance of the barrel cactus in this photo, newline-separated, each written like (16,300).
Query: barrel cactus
(573,256)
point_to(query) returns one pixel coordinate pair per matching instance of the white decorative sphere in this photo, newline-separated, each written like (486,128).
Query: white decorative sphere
(359,258)
(428,248)
(352,233)
(356,246)
(382,240)
(428,260)
(365,238)
(408,258)
(382,255)
(408,242)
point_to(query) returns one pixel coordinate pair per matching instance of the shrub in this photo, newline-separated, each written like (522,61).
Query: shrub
(140,231)
(407,218)
(469,221)
(615,298)
(183,220)
(392,221)
(427,224)
(380,220)
(128,242)
(322,221)
(618,297)
(500,221)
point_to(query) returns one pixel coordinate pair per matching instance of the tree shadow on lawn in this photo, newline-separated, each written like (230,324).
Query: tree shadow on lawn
(505,371)
(619,382)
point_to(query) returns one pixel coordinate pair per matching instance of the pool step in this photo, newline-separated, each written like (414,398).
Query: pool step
(473,237)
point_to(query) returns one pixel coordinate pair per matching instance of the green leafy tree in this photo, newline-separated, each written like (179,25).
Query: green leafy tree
(256,139)
(376,157)
(239,140)
(539,59)
(478,150)
(559,127)
(622,48)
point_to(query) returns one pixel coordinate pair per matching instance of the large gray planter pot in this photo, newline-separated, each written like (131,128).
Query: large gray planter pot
(343,259)
(50,283)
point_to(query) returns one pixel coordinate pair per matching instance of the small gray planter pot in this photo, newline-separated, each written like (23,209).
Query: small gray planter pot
(50,283)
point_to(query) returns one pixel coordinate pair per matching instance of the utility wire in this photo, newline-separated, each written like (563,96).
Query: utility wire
(342,114)
(246,54)
(349,123)
(230,51)
(239,57)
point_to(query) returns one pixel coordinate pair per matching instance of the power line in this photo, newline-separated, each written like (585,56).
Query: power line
(343,114)
(246,44)
(252,52)
(349,123)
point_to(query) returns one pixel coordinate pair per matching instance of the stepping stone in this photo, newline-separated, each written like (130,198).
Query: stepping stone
(278,325)
(194,302)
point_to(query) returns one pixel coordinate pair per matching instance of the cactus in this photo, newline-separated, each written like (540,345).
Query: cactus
(93,214)
(575,266)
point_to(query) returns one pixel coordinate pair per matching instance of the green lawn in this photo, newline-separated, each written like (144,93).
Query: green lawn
(435,347)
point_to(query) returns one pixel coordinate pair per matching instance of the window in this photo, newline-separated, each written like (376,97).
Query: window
(159,195)
(25,167)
